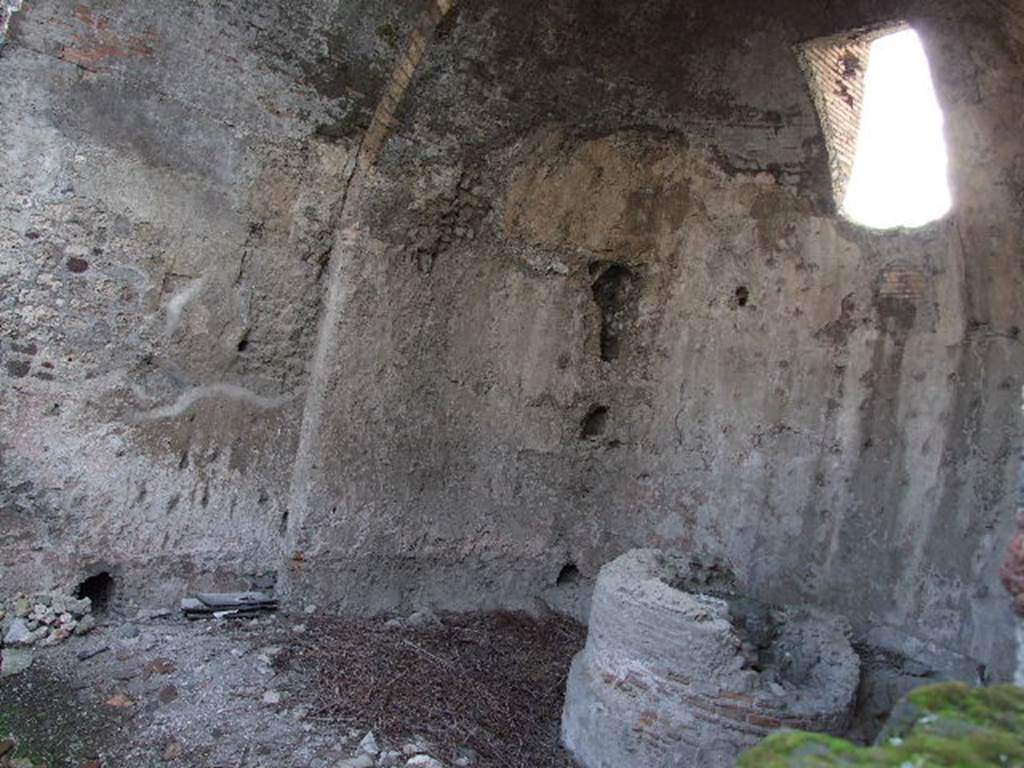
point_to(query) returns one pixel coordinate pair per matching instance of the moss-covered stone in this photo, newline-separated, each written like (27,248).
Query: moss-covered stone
(948,725)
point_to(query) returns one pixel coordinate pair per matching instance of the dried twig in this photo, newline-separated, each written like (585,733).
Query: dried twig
(492,684)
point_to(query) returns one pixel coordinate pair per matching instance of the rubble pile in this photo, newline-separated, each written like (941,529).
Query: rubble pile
(39,620)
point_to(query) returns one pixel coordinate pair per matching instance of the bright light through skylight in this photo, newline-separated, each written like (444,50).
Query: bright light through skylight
(899,176)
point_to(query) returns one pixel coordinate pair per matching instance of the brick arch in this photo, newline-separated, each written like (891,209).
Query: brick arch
(836,67)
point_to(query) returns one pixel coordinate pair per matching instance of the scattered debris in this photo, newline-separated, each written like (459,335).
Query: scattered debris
(424,618)
(369,744)
(168,694)
(482,690)
(423,761)
(272,697)
(7,9)
(88,653)
(149,614)
(361,761)
(227,604)
(341,695)
(44,619)
(173,751)
(160,666)
(120,701)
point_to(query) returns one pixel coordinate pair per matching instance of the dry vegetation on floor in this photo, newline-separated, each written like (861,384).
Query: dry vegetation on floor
(492,684)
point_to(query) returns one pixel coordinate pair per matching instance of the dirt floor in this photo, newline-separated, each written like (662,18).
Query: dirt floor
(296,691)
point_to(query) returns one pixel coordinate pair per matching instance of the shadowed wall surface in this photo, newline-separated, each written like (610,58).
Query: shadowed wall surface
(592,295)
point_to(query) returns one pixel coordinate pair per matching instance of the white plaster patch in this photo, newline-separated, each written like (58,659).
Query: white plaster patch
(228,391)
(177,303)
(7,9)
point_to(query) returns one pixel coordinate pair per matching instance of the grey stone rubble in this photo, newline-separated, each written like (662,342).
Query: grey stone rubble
(14,660)
(160,689)
(411,755)
(46,618)
(39,620)
(227,604)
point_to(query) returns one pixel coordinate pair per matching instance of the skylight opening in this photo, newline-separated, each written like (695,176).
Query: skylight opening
(882,124)
(900,168)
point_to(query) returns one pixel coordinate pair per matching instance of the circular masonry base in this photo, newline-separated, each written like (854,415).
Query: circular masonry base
(679,671)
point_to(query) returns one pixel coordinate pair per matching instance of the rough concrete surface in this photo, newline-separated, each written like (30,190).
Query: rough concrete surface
(592,295)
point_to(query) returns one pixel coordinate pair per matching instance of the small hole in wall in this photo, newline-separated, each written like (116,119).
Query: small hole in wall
(283,525)
(243,345)
(99,589)
(742,296)
(594,423)
(568,576)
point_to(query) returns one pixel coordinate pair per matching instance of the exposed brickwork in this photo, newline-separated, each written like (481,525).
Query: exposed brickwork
(1012,572)
(901,283)
(662,680)
(836,67)
(98,42)
(384,116)
(754,715)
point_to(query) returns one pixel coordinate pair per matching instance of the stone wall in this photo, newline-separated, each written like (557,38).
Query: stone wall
(829,408)
(168,183)
(592,295)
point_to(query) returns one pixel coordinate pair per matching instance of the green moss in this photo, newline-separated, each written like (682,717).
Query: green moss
(796,748)
(1001,706)
(23,749)
(951,726)
(390,34)
(49,724)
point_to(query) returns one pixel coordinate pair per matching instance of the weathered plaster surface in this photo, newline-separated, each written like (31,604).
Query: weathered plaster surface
(168,190)
(592,296)
(840,437)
